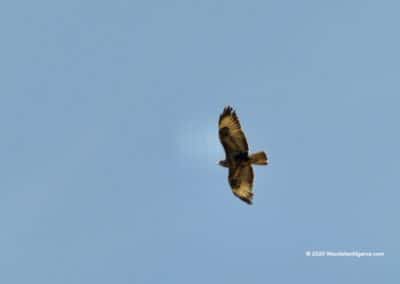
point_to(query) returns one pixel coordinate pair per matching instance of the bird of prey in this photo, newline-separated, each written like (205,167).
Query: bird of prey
(237,158)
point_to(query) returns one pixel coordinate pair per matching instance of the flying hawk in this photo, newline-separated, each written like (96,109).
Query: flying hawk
(237,157)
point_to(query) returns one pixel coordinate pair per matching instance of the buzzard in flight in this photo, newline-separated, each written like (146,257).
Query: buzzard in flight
(237,158)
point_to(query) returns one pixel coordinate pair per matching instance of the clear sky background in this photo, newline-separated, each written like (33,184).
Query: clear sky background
(108,118)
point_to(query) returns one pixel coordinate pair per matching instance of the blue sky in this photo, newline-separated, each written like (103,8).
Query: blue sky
(108,116)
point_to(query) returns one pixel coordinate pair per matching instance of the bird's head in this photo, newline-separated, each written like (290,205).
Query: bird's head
(223,163)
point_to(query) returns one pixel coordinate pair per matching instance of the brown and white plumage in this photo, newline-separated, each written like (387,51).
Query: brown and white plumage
(237,159)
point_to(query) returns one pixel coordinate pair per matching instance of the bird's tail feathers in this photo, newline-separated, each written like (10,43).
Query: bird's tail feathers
(259,158)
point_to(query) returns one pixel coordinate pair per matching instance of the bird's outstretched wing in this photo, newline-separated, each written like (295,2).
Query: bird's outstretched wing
(241,180)
(231,134)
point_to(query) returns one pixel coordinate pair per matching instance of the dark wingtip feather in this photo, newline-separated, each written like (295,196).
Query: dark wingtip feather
(228,111)
(248,201)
